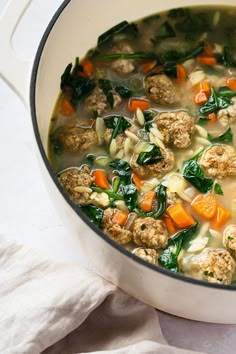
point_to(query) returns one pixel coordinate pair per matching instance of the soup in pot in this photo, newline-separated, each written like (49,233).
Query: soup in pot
(143,134)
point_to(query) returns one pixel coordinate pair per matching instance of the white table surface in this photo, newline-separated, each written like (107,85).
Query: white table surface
(26,212)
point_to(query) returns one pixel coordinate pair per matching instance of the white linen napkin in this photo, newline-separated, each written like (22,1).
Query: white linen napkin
(60,308)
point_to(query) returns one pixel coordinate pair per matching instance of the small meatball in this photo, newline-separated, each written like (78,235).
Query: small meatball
(76,184)
(74,138)
(114,230)
(229,239)
(219,161)
(227,115)
(177,128)
(147,254)
(158,169)
(160,89)
(97,101)
(148,232)
(123,66)
(213,264)
(100,199)
(120,139)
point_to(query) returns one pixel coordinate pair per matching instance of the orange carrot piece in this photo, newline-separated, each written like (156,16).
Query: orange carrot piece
(137,181)
(221,216)
(181,73)
(180,216)
(204,86)
(148,66)
(208,50)
(212,118)
(100,179)
(231,83)
(120,217)
(87,68)
(205,205)
(147,202)
(200,98)
(137,103)
(208,61)
(170,225)
(66,108)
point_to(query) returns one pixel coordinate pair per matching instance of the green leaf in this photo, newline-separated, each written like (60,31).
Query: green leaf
(65,77)
(162,200)
(150,157)
(193,173)
(122,169)
(148,126)
(226,92)
(123,26)
(216,102)
(123,91)
(111,194)
(227,137)
(218,189)
(93,213)
(118,123)
(128,56)
(165,31)
(108,86)
(175,13)
(203,120)
(169,258)
(130,195)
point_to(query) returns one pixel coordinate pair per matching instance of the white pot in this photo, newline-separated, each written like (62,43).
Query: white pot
(73,30)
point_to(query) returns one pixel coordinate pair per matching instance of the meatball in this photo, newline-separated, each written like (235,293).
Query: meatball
(148,232)
(177,128)
(75,138)
(123,66)
(160,89)
(97,101)
(76,184)
(229,239)
(158,169)
(213,264)
(147,254)
(219,161)
(227,115)
(114,230)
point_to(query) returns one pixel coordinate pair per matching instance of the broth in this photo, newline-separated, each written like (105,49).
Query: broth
(143,139)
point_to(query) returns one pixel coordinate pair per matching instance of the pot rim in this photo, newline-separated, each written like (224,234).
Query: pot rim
(121,249)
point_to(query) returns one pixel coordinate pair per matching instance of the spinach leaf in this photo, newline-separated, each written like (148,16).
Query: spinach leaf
(150,157)
(107,90)
(123,91)
(179,12)
(218,189)
(79,86)
(215,103)
(165,31)
(169,258)
(118,123)
(225,91)
(228,58)
(148,116)
(148,126)
(202,120)
(194,23)
(227,137)
(193,173)
(123,26)
(111,194)
(162,200)
(122,169)
(130,195)
(151,19)
(93,213)
(174,56)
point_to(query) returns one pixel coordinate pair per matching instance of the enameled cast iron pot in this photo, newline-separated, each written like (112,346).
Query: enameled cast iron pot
(72,31)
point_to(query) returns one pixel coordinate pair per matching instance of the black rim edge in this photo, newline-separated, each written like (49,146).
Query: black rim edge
(176,276)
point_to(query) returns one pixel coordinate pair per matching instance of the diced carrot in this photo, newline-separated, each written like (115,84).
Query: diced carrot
(100,179)
(148,66)
(120,217)
(203,86)
(137,181)
(231,83)
(180,216)
(212,118)
(148,200)
(170,225)
(87,68)
(208,50)
(221,216)
(66,108)
(137,103)
(205,205)
(181,73)
(208,61)
(200,98)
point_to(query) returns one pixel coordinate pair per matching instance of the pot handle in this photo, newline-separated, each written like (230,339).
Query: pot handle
(13,70)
